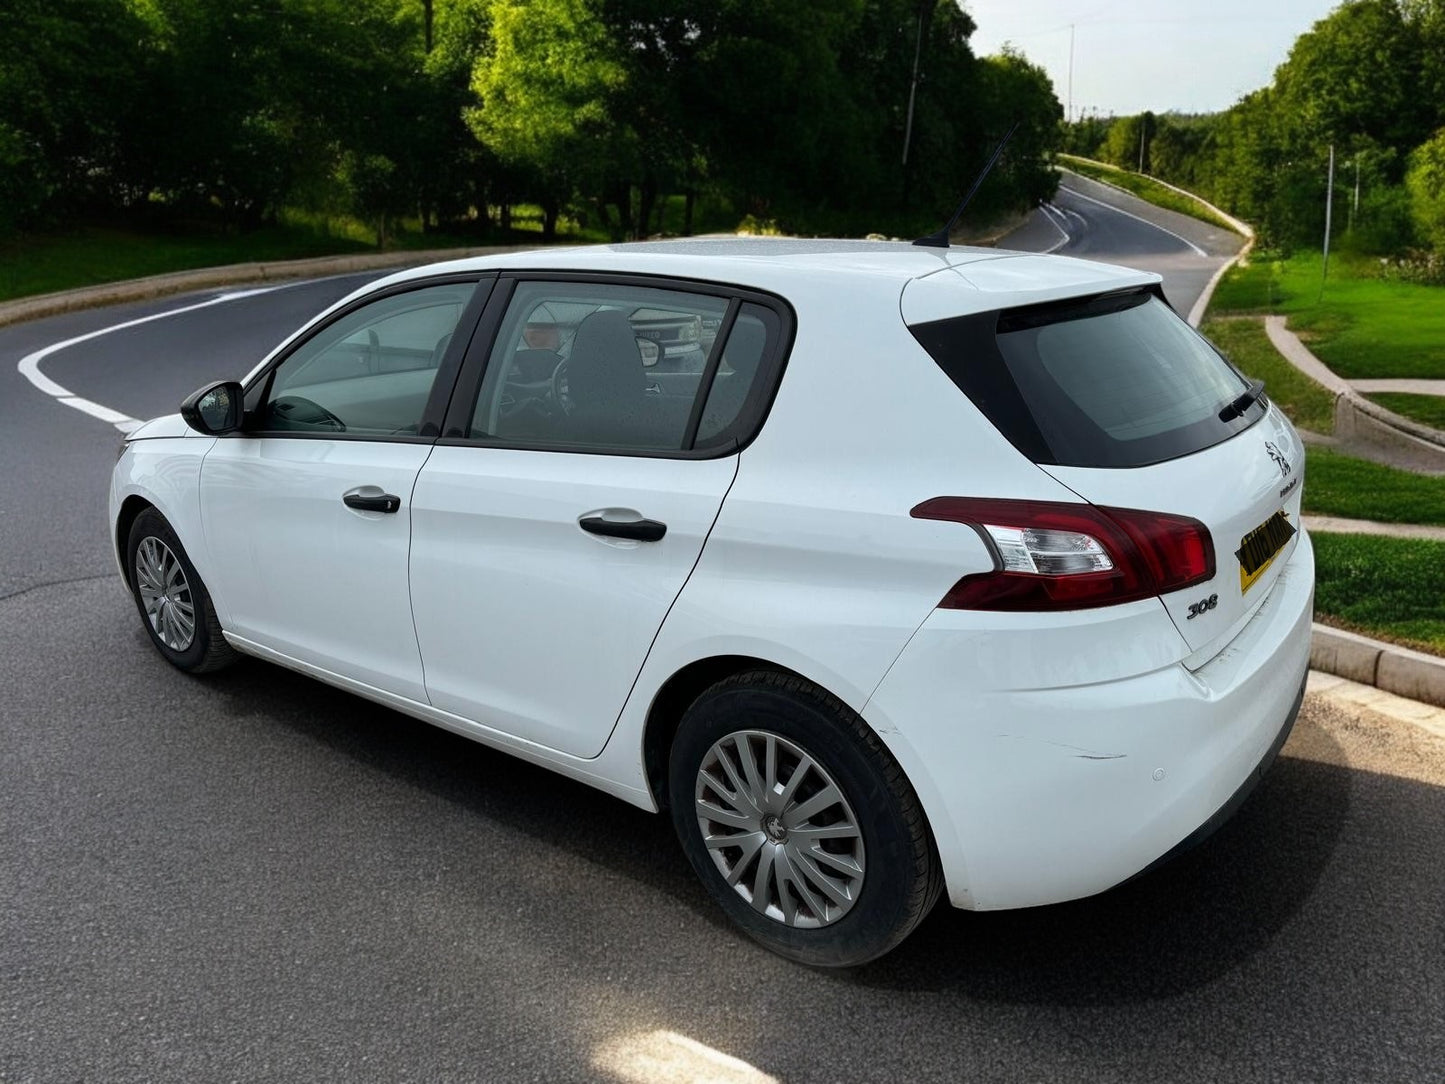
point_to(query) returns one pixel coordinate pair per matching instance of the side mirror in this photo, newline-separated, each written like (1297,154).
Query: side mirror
(214,409)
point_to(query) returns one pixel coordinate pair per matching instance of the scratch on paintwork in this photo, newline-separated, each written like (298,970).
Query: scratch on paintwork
(1078,751)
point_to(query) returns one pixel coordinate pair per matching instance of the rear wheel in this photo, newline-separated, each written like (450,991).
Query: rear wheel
(799,822)
(173,602)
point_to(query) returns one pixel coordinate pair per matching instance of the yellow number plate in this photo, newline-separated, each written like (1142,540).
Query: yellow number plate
(1258,549)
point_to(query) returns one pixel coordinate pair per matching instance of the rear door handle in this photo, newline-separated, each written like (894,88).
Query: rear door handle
(639,530)
(369,502)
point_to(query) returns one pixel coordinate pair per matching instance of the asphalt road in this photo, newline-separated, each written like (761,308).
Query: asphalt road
(1093,221)
(254,877)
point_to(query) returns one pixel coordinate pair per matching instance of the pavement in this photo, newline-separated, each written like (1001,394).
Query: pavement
(1340,525)
(1410,386)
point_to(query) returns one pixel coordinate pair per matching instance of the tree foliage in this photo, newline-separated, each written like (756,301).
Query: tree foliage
(1369,80)
(447,111)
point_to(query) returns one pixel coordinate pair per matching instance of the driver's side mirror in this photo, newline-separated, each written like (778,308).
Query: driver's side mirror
(214,409)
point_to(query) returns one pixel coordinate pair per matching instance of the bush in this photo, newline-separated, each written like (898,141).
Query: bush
(1425,182)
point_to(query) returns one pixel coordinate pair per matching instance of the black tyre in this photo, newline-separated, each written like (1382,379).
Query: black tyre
(799,822)
(174,606)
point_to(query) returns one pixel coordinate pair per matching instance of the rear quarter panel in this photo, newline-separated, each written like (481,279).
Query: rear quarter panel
(815,563)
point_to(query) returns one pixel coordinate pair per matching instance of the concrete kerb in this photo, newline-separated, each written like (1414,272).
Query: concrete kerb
(1398,670)
(1345,654)
(176,282)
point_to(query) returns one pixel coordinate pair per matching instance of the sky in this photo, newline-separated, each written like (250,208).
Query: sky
(1193,56)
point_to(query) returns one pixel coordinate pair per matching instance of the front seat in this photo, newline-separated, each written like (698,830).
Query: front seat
(606,384)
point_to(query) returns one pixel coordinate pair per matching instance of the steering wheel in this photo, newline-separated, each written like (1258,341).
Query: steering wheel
(295,410)
(558,391)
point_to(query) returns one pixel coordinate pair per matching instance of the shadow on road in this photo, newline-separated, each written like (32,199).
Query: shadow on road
(491,784)
(1178,928)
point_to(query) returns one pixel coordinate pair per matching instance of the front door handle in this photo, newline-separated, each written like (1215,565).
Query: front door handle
(371,502)
(639,530)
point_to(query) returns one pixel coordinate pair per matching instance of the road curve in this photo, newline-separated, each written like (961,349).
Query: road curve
(255,877)
(1096,221)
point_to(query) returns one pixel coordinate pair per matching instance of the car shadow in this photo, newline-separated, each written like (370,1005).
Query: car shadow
(1178,928)
(488,783)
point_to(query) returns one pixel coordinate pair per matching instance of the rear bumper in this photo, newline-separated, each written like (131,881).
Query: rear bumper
(1040,792)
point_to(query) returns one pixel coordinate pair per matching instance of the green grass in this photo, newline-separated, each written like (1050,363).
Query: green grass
(1362,327)
(87,256)
(1146,188)
(1425,409)
(1244,342)
(1247,288)
(1388,588)
(1340,485)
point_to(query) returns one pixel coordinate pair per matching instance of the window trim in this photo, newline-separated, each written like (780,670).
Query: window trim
(744,429)
(443,383)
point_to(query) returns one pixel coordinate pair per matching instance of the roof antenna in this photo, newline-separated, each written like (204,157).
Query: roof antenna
(940,239)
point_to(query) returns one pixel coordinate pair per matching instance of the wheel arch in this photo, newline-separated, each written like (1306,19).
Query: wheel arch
(130,508)
(673,699)
(676,695)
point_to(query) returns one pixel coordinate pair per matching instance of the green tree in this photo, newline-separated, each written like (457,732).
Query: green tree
(1019,91)
(1425,182)
(69,70)
(547,87)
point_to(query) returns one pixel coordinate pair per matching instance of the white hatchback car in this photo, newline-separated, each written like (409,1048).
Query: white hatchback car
(947,570)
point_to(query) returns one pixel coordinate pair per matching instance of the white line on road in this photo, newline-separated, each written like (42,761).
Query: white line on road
(1049,218)
(1136,218)
(30,364)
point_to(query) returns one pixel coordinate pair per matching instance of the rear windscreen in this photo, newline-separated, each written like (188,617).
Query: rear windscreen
(1113,381)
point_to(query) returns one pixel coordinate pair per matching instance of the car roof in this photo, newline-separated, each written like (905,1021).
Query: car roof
(775,263)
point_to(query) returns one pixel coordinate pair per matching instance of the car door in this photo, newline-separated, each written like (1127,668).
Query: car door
(570,497)
(307,512)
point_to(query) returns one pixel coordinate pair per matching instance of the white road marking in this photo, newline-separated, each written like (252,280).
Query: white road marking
(30,364)
(1196,314)
(1047,208)
(1136,218)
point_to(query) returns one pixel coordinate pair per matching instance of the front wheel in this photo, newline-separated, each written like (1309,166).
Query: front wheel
(799,822)
(173,602)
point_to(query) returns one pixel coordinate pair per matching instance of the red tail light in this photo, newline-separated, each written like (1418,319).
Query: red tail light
(1056,556)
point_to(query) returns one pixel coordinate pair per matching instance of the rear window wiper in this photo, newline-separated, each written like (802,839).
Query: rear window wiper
(1235,407)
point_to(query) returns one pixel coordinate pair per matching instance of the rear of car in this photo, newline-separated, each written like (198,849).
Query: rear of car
(1111,687)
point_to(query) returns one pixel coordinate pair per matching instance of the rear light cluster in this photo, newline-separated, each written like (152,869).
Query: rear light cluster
(1056,556)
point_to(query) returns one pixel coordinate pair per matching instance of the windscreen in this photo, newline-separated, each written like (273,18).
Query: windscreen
(1113,381)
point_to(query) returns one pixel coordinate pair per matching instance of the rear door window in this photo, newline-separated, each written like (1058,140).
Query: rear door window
(630,368)
(1113,381)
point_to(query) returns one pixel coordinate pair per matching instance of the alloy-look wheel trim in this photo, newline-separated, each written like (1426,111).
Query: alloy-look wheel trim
(779,829)
(165,594)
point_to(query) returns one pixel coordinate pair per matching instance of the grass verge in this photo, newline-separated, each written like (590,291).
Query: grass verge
(1340,485)
(88,256)
(1387,588)
(1146,188)
(1361,325)
(1425,409)
(1244,342)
